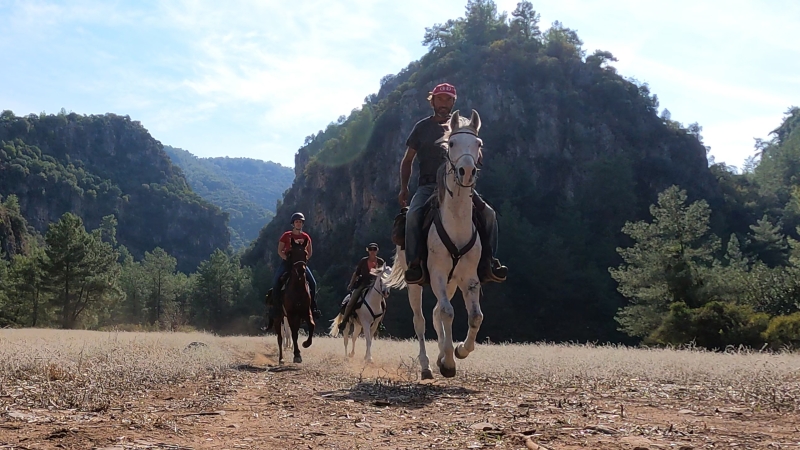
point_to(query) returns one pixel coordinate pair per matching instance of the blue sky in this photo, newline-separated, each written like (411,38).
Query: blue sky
(253,78)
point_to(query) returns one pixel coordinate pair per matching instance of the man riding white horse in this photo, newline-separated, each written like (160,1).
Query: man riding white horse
(426,144)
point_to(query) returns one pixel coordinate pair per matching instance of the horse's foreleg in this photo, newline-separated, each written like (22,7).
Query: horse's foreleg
(278,331)
(471,291)
(366,324)
(311,324)
(443,314)
(415,300)
(295,325)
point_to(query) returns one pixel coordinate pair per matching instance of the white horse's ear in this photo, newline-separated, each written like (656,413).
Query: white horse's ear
(454,121)
(475,120)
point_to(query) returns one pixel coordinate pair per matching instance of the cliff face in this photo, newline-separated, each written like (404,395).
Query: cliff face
(100,165)
(572,151)
(13,229)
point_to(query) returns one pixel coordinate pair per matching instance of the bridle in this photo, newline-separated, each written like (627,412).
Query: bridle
(452,164)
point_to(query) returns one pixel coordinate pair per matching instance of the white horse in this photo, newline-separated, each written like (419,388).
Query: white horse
(369,315)
(287,343)
(454,250)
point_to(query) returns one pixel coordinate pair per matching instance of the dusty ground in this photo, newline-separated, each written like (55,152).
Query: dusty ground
(552,397)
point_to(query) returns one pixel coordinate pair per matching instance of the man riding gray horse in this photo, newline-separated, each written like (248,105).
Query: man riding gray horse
(426,144)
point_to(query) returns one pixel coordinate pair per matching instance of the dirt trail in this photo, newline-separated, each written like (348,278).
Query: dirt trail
(330,405)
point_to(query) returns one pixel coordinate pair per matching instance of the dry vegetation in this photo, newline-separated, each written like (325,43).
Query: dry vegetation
(80,389)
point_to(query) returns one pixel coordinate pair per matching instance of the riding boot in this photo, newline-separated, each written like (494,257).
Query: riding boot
(348,309)
(415,274)
(489,268)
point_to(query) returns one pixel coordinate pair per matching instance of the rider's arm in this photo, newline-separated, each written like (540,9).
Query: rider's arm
(405,167)
(281,246)
(352,280)
(309,250)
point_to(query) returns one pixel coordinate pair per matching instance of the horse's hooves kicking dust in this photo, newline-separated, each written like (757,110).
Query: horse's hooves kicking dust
(427,374)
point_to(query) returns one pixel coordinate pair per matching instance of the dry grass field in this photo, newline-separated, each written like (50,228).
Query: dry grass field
(108,390)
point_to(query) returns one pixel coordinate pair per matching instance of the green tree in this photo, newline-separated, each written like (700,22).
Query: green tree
(136,289)
(769,243)
(27,285)
(4,319)
(482,23)
(666,263)
(159,268)
(81,269)
(221,284)
(525,22)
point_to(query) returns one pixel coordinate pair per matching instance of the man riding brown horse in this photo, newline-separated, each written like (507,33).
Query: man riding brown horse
(294,236)
(296,304)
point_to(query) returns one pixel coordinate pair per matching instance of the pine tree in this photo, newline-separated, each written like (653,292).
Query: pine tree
(666,263)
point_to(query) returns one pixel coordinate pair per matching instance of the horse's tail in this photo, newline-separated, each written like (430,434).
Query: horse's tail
(397,279)
(334,331)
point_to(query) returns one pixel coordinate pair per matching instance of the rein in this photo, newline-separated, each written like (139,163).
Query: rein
(455,252)
(452,164)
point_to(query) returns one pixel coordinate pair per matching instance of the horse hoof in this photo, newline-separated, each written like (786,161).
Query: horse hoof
(307,343)
(280,362)
(447,373)
(458,355)
(298,359)
(427,374)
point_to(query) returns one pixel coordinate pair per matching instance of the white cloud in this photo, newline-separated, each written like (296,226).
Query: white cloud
(260,75)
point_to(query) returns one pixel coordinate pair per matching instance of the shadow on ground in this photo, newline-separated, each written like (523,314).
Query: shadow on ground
(390,393)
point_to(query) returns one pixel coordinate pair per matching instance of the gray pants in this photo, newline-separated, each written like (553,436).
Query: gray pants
(414,223)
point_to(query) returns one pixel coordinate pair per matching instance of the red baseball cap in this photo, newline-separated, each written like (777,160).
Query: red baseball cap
(444,88)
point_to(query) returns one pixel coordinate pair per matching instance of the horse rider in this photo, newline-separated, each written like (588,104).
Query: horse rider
(297,236)
(426,144)
(362,278)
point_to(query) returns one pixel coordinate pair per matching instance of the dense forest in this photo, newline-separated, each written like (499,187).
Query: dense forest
(613,222)
(100,165)
(247,189)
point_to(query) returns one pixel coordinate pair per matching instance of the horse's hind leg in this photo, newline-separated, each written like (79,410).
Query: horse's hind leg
(286,332)
(356,332)
(471,291)
(415,300)
(346,335)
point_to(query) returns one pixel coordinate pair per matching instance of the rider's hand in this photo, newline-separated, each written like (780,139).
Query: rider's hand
(403,196)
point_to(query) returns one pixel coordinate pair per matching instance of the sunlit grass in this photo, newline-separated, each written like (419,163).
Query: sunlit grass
(88,370)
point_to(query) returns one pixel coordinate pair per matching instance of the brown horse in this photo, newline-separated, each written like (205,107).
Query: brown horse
(296,303)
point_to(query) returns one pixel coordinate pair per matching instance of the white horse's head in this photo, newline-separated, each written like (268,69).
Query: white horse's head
(464,148)
(382,274)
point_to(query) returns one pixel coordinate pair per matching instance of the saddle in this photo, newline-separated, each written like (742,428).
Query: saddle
(361,301)
(430,212)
